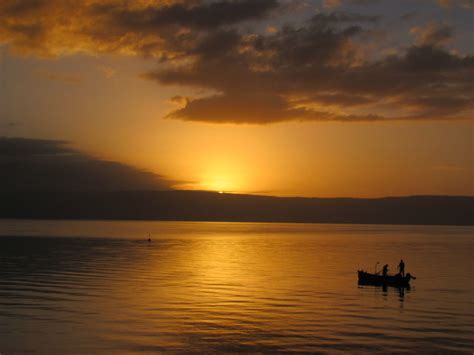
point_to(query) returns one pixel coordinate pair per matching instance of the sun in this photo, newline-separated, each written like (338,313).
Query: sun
(221,183)
(222,175)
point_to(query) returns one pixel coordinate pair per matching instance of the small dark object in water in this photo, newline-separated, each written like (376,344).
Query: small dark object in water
(398,280)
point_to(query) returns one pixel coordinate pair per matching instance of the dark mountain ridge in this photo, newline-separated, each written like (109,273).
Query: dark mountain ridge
(210,206)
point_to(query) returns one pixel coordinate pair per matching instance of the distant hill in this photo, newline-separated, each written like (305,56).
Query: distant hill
(210,206)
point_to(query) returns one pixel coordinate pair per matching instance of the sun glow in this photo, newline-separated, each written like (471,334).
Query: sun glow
(222,176)
(220,185)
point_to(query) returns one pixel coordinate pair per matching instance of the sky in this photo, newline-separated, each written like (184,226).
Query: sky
(324,98)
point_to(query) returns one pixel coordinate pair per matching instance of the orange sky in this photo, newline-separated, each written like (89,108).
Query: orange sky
(252,129)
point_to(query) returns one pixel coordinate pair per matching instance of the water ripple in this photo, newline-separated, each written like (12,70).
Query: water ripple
(219,289)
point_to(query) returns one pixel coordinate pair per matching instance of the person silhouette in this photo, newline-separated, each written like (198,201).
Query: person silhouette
(385,270)
(401,268)
(149,239)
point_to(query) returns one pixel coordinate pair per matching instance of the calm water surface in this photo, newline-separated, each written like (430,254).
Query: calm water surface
(99,287)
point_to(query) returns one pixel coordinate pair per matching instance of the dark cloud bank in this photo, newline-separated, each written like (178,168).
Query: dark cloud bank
(317,72)
(48,179)
(45,165)
(330,67)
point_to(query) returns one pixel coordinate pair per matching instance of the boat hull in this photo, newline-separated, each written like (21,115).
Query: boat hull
(366,278)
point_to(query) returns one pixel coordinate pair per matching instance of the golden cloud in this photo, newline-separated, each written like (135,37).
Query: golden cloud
(253,74)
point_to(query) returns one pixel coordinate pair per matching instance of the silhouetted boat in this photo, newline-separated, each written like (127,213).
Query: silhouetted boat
(398,280)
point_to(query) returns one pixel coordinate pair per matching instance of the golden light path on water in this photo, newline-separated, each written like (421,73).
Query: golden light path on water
(100,287)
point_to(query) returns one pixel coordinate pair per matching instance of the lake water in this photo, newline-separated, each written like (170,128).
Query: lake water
(99,287)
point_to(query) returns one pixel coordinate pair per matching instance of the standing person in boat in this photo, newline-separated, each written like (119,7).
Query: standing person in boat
(401,268)
(385,270)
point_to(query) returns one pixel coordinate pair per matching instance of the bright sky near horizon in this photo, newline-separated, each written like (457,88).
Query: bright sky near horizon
(358,98)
